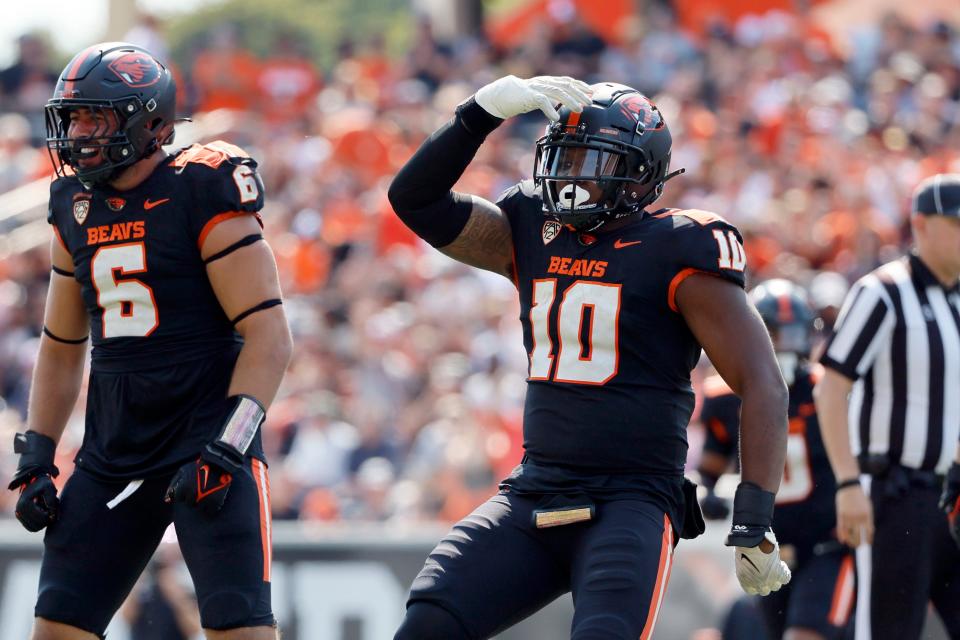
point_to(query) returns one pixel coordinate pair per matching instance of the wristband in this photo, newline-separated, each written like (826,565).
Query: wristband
(849,482)
(752,515)
(37,453)
(243,420)
(245,417)
(475,119)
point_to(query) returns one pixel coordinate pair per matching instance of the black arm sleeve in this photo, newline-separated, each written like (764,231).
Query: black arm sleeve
(421,192)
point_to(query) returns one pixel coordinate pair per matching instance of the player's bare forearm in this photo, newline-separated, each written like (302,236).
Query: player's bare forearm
(57,377)
(763,433)
(831,397)
(242,281)
(737,343)
(266,352)
(486,241)
(58,372)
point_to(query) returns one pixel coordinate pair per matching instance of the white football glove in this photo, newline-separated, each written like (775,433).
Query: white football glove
(510,96)
(760,573)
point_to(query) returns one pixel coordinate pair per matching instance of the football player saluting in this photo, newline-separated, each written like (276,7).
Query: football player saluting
(616,301)
(160,259)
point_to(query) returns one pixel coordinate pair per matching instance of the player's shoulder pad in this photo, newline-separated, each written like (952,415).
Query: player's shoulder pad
(212,154)
(715,387)
(523,189)
(223,174)
(704,241)
(698,216)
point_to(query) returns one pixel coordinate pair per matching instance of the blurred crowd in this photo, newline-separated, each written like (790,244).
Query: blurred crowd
(404,399)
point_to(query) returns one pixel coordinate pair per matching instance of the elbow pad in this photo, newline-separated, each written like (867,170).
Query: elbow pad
(440,222)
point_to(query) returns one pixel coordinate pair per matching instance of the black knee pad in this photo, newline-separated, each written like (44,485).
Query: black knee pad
(429,621)
(66,607)
(602,627)
(234,609)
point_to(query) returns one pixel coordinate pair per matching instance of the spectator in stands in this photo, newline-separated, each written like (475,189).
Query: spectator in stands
(26,85)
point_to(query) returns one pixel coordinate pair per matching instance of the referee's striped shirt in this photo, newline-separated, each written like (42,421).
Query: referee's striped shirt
(898,337)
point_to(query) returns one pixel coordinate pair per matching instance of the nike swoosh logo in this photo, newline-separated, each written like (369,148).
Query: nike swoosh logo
(148,204)
(747,558)
(204,470)
(620,244)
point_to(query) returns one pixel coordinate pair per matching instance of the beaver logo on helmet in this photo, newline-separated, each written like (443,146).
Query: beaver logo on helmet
(642,110)
(136,69)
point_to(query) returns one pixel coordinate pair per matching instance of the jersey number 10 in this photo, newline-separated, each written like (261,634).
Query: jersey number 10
(587,320)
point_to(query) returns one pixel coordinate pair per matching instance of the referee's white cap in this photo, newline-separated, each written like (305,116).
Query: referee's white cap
(938,195)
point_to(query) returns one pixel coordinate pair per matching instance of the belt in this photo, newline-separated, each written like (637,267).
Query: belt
(880,467)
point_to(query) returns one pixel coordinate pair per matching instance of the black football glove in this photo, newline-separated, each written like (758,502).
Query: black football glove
(950,500)
(37,505)
(205,482)
(714,507)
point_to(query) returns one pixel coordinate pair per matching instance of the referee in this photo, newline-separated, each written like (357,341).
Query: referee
(889,410)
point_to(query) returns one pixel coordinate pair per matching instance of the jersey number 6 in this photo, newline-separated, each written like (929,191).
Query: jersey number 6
(129,308)
(588,331)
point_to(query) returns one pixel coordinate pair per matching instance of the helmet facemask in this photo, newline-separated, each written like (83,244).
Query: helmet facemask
(131,98)
(606,162)
(586,179)
(120,141)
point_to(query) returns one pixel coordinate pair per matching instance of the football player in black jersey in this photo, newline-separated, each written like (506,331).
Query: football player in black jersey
(159,261)
(817,604)
(616,301)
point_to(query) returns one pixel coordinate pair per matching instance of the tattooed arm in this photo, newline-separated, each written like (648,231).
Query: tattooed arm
(464,227)
(485,241)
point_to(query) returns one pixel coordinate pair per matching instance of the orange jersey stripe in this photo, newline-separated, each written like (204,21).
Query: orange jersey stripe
(222,217)
(842,602)
(682,275)
(56,233)
(718,430)
(266,532)
(663,577)
(699,216)
(784,309)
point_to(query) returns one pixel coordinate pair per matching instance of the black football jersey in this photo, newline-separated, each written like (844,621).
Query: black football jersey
(136,255)
(804,513)
(609,394)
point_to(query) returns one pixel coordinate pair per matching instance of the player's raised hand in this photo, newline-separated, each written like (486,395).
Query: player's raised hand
(38,503)
(950,500)
(760,569)
(510,96)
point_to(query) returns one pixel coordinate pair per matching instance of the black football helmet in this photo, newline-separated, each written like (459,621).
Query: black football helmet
(620,143)
(787,313)
(110,77)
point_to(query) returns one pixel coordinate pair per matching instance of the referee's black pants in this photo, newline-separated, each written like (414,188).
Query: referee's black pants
(913,560)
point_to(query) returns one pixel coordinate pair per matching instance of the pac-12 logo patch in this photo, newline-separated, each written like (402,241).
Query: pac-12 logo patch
(551,229)
(80,210)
